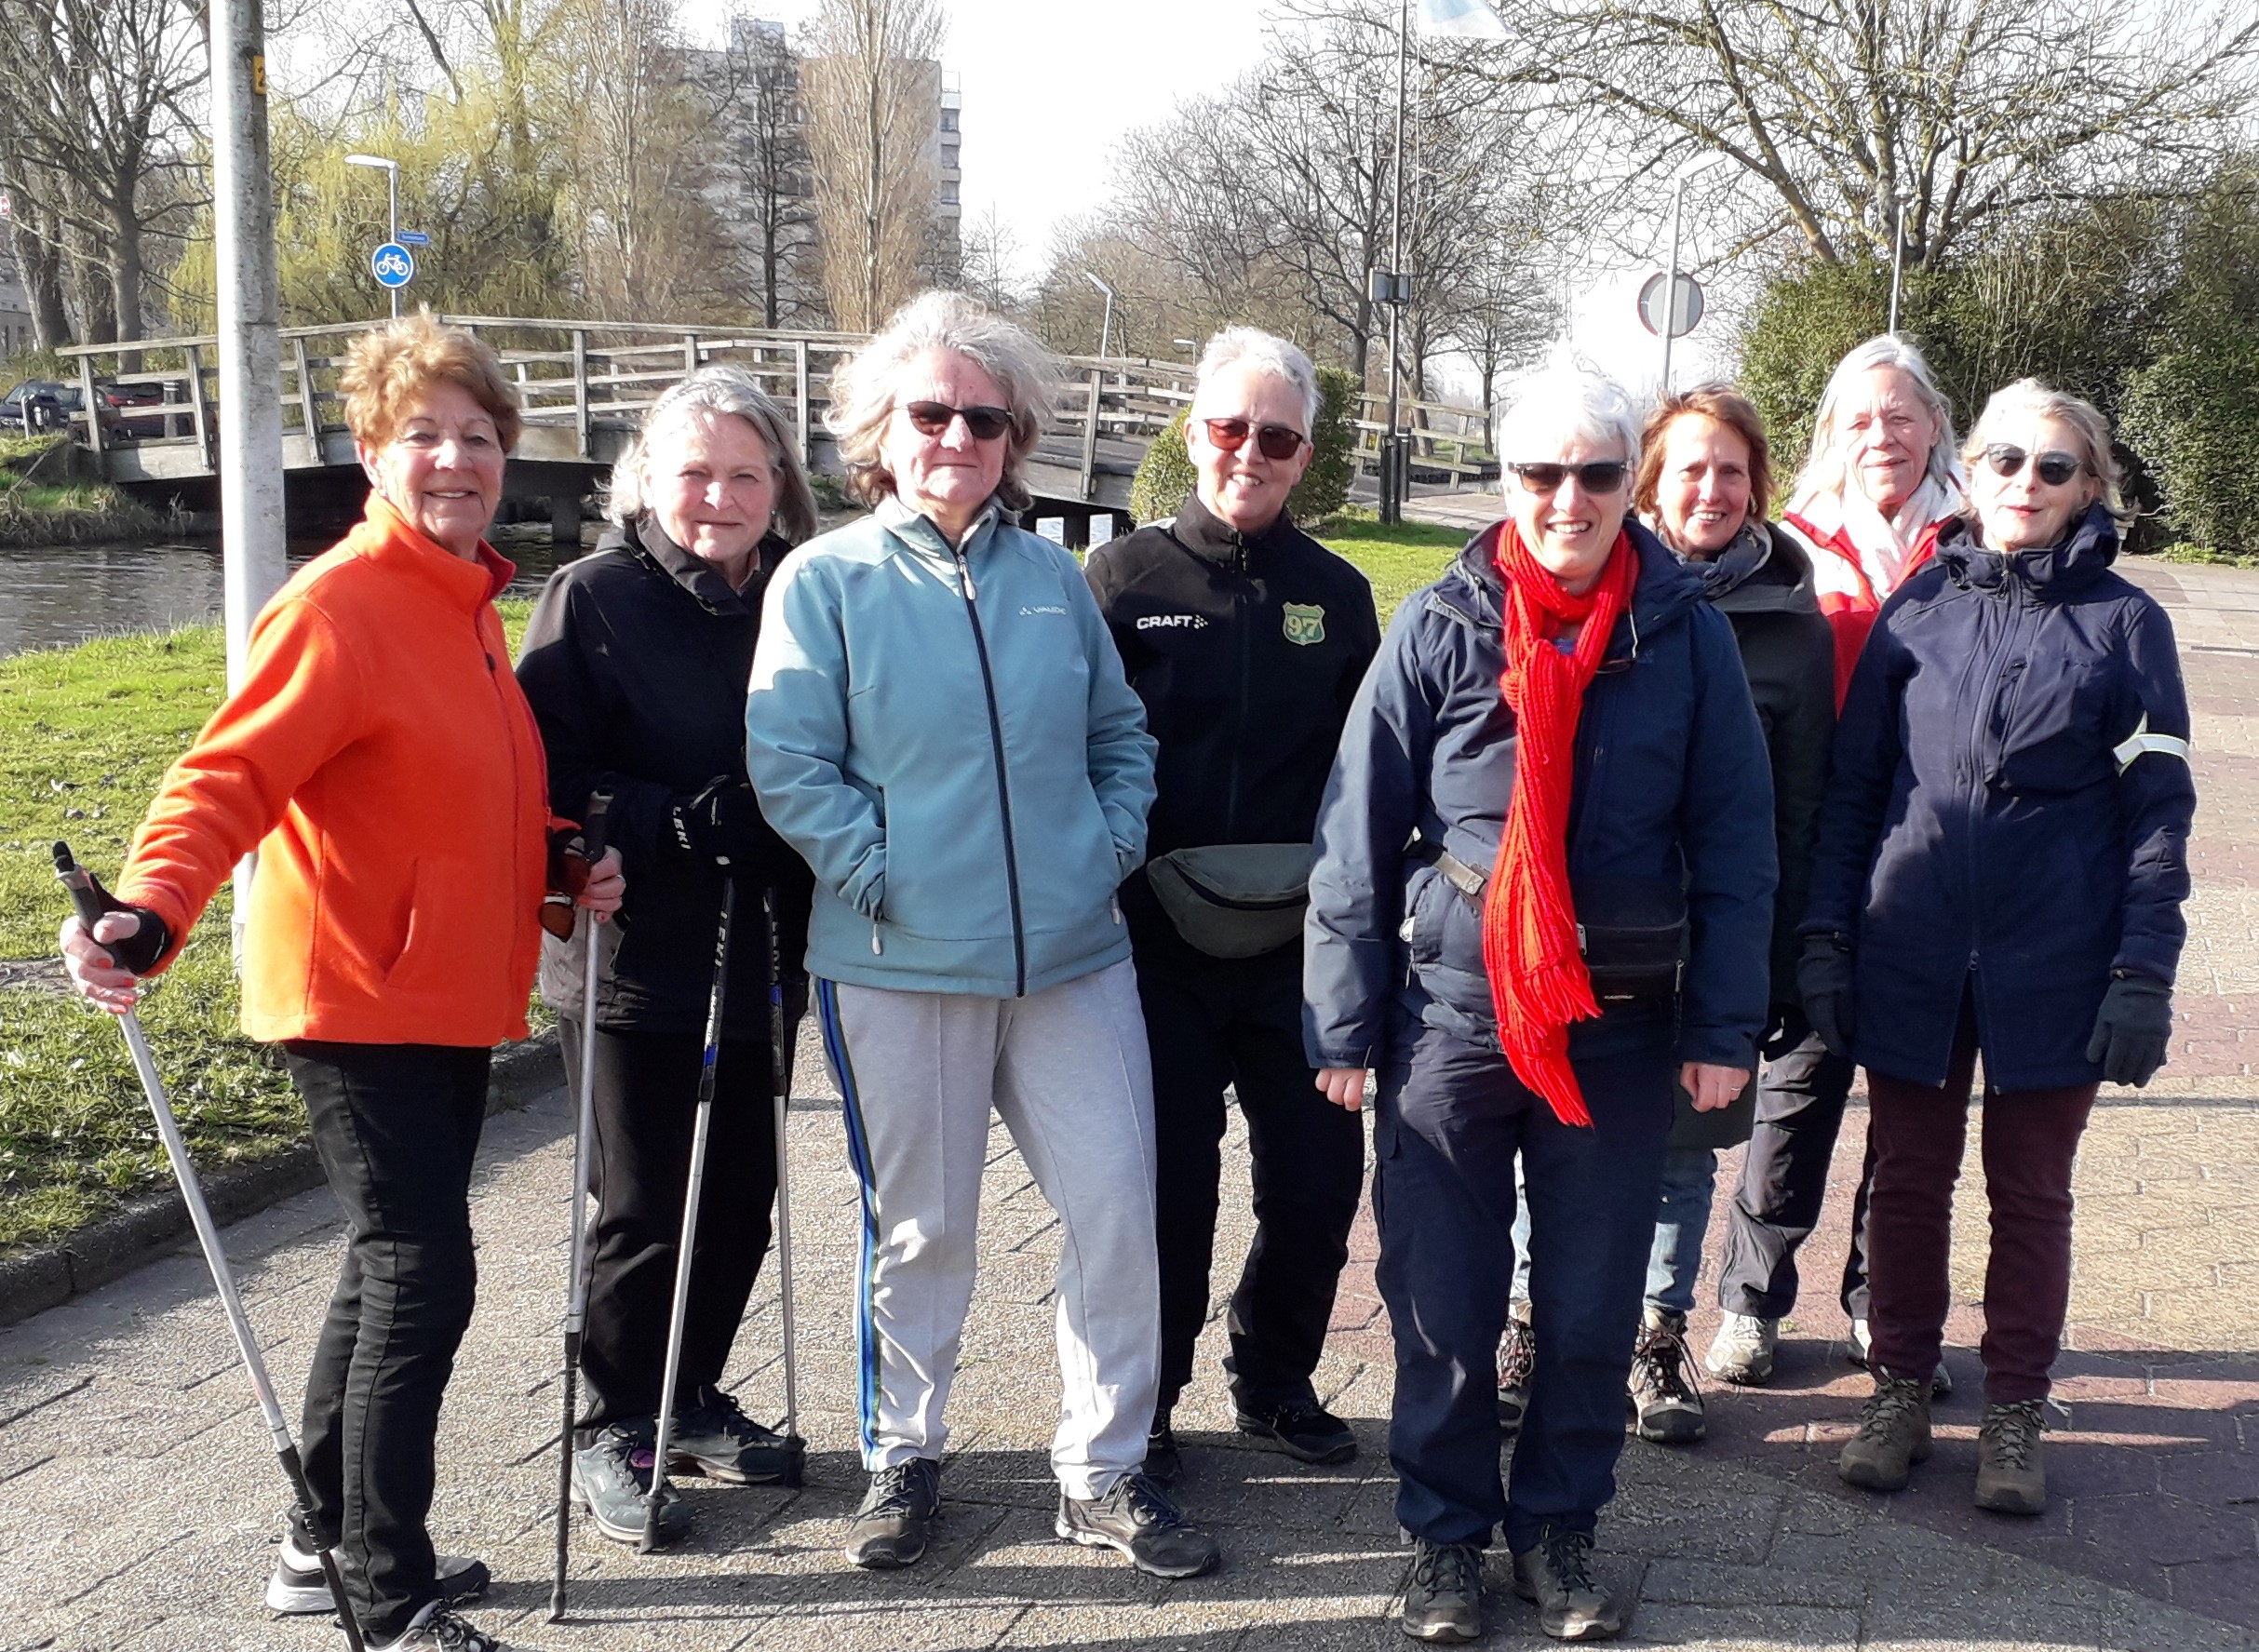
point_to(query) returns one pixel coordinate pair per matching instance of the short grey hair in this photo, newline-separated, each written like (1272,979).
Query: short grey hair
(2030,397)
(718,391)
(864,386)
(1252,347)
(1824,471)
(1558,403)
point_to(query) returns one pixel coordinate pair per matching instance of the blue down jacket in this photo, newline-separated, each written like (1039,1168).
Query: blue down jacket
(1673,790)
(1988,828)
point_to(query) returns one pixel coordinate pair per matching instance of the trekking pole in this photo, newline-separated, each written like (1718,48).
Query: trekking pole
(690,1217)
(576,1289)
(780,1051)
(86,897)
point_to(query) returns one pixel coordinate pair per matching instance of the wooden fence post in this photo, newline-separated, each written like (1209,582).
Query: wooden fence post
(309,411)
(91,406)
(1090,432)
(799,398)
(200,409)
(580,391)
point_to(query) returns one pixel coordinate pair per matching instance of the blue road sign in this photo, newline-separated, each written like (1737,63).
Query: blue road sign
(414,238)
(393,265)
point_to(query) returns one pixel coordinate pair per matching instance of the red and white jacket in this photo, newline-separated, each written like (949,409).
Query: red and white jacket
(1859,557)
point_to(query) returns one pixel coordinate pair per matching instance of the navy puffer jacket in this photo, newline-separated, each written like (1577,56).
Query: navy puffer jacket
(1989,825)
(1671,788)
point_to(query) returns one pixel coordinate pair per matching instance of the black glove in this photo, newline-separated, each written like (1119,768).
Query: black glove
(2134,1030)
(721,826)
(1787,1028)
(1823,981)
(139,951)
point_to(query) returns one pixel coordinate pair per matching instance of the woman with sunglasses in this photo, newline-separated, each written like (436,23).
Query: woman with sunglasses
(939,724)
(2003,857)
(1542,901)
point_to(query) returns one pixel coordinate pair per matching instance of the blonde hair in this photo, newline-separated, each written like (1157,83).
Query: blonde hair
(389,369)
(2091,430)
(722,390)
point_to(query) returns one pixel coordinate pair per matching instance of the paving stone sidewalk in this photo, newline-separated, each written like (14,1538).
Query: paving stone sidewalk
(139,1501)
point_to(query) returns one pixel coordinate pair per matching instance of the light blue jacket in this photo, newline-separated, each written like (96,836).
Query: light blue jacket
(950,744)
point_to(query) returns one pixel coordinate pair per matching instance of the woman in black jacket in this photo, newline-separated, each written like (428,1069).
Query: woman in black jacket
(2003,855)
(636,662)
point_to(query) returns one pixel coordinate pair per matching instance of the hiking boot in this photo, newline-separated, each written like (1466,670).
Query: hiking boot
(1741,1353)
(1666,1407)
(436,1629)
(895,1521)
(1893,1434)
(2010,1478)
(1858,1351)
(1557,1574)
(298,1586)
(720,1442)
(1444,1600)
(1163,1462)
(1135,1517)
(1518,1359)
(1303,1428)
(612,1478)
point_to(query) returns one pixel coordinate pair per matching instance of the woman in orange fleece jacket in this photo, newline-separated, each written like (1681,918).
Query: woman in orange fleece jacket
(379,756)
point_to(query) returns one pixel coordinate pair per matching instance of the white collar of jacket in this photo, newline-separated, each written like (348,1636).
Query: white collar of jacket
(916,531)
(1883,545)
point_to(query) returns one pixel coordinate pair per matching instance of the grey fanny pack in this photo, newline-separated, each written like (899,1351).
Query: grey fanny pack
(1233,900)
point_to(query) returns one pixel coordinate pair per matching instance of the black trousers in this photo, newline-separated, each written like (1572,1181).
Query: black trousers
(1785,1178)
(396,1127)
(646,1103)
(1212,1023)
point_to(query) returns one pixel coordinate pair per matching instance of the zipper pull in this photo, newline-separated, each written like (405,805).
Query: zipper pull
(877,950)
(965,573)
(1116,904)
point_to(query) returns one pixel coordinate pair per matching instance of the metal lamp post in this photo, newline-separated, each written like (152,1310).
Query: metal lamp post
(1106,327)
(1898,255)
(1687,169)
(392,193)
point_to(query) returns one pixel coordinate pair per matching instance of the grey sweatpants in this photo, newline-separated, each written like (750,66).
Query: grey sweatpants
(1067,1070)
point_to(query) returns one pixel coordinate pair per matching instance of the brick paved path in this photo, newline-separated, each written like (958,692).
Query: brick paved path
(137,1501)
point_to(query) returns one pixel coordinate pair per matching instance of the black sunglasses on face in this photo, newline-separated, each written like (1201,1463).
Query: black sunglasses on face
(933,418)
(1602,476)
(2054,468)
(1273,441)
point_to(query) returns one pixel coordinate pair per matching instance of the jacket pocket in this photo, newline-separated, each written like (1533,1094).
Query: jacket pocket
(440,913)
(2050,728)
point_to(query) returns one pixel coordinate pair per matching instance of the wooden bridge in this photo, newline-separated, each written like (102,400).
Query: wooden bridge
(585,385)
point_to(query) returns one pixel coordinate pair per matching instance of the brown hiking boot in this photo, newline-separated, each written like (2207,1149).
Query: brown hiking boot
(2010,1478)
(1893,1434)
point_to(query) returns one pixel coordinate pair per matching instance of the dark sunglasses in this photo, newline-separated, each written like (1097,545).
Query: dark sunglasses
(1602,476)
(933,418)
(1272,442)
(2054,468)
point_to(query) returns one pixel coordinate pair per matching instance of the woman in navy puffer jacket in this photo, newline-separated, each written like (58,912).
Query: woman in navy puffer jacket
(2002,862)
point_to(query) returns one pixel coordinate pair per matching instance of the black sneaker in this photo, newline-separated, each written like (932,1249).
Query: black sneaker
(1557,1574)
(435,1629)
(298,1587)
(717,1440)
(895,1521)
(1444,1600)
(1517,1361)
(1136,1519)
(612,1478)
(1666,1406)
(1163,1463)
(1303,1428)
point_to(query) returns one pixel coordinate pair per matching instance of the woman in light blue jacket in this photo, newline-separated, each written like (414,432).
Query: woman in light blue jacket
(939,723)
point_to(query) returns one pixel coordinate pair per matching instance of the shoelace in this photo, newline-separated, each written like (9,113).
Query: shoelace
(1517,1355)
(1447,1568)
(1147,1505)
(1665,1354)
(1899,1397)
(2014,1432)
(1570,1554)
(890,1493)
(453,1633)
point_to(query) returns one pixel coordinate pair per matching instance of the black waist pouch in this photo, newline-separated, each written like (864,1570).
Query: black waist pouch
(1631,930)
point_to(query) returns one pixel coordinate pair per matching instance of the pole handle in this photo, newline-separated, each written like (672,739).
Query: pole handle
(80,882)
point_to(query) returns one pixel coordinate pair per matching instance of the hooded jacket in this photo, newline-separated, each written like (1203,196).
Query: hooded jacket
(1671,790)
(636,662)
(1992,824)
(945,736)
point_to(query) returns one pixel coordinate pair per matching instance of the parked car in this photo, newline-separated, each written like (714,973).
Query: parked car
(51,404)
(38,404)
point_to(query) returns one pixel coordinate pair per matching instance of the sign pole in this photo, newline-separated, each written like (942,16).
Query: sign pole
(1679,201)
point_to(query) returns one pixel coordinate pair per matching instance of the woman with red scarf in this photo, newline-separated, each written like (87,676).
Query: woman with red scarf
(1543,894)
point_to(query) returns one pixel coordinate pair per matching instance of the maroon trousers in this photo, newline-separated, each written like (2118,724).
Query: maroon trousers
(1917,1134)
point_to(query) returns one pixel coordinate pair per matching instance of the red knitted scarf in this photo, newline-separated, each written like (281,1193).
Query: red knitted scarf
(1538,980)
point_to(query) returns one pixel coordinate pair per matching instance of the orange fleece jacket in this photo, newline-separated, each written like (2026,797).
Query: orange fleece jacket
(380,757)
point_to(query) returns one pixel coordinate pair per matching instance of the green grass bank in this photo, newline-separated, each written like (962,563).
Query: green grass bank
(44,501)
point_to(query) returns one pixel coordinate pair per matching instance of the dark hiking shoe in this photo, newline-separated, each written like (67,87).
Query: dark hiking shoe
(1741,1353)
(1666,1406)
(1859,1351)
(1136,1519)
(717,1440)
(1444,1599)
(1517,1361)
(1163,1462)
(612,1478)
(895,1521)
(435,1629)
(1893,1434)
(2011,1477)
(299,1588)
(1303,1428)
(1557,1574)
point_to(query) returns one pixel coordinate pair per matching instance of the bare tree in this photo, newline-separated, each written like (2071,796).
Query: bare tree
(991,251)
(872,85)
(764,176)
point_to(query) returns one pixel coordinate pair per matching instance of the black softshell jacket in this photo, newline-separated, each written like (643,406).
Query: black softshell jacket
(636,662)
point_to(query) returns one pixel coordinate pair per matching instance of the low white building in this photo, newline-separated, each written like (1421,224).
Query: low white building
(15,309)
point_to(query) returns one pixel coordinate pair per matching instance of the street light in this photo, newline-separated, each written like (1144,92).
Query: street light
(1106,328)
(1897,254)
(392,194)
(1687,169)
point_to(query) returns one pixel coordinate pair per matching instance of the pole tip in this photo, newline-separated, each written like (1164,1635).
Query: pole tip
(64,862)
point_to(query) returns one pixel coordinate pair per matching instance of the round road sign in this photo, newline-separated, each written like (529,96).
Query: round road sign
(393,264)
(1685,315)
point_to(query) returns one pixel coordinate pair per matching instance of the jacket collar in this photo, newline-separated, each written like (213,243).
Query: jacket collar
(1212,539)
(918,531)
(1764,570)
(645,538)
(388,540)
(2082,556)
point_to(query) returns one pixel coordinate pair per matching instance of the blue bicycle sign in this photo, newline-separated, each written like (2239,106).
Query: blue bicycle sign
(393,264)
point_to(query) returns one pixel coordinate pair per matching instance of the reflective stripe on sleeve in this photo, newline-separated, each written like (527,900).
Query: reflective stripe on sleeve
(2142,740)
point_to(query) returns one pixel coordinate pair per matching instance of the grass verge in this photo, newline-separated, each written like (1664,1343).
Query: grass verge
(41,504)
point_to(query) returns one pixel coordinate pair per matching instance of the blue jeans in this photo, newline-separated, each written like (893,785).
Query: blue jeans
(1451,1120)
(1682,1218)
